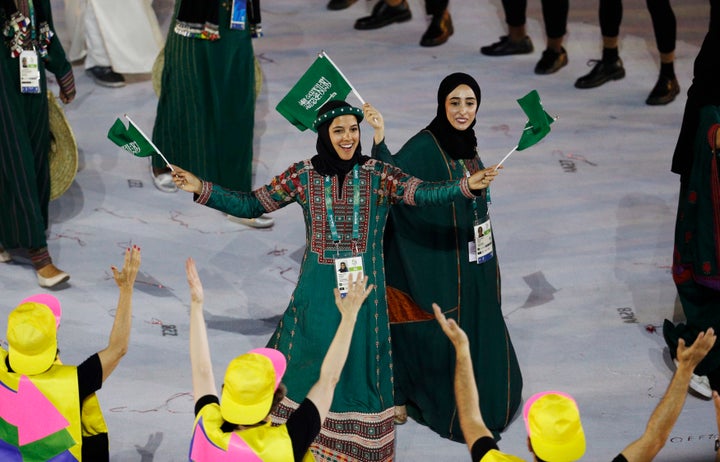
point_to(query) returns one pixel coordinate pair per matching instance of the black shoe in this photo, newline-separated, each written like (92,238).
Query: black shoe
(339,4)
(439,30)
(507,47)
(665,91)
(105,76)
(601,73)
(383,15)
(551,61)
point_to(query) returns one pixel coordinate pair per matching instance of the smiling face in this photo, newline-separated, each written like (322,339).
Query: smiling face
(460,107)
(344,135)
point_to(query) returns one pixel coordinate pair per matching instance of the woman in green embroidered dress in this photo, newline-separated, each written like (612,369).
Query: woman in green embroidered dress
(29,41)
(206,111)
(432,255)
(345,198)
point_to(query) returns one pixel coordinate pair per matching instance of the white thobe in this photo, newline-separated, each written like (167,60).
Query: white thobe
(122,34)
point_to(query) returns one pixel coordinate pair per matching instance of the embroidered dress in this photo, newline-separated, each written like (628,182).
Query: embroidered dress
(206,112)
(24,118)
(426,261)
(25,143)
(360,425)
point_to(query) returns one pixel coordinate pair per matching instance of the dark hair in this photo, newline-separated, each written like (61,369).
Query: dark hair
(280,393)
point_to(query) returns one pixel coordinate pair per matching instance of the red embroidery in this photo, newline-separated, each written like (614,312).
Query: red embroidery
(706,267)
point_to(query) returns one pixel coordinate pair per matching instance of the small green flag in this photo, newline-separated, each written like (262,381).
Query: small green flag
(319,84)
(130,139)
(538,124)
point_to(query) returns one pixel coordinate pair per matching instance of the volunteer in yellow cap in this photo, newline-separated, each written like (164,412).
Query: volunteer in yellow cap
(552,418)
(238,426)
(478,436)
(41,415)
(552,421)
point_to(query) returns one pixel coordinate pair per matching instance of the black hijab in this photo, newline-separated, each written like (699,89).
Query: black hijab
(458,144)
(327,161)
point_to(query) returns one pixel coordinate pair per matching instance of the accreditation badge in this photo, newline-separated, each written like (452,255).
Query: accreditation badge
(347,270)
(29,72)
(480,249)
(238,14)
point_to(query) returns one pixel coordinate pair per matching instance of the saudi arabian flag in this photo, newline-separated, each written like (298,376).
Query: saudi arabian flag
(320,83)
(130,139)
(538,124)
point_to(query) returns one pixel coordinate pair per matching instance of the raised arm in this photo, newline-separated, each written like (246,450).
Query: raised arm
(466,394)
(321,394)
(202,374)
(120,333)
(375,119)
(667,411)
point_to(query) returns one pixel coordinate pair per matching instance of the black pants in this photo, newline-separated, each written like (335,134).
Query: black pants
(663,20)
(435,7)
(555,14)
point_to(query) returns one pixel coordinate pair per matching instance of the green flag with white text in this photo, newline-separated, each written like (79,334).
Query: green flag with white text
(538,124)
(130,139)
(321,83)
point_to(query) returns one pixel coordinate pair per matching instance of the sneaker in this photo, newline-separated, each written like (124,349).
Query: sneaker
(439,30)
(339,4)
(106,77)
(259,222)
(383,15)
(163,181)
(602,72)
(664,92)
(700,384)
(506,47)
(551,61)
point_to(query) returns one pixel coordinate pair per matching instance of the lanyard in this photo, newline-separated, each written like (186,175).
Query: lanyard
(356,208)
(31,10)
(474,201)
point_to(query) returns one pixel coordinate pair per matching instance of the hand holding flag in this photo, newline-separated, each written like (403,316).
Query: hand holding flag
(133,140)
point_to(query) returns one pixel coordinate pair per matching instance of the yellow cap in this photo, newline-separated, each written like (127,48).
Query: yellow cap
(552,420)
(250,383)
(32,338)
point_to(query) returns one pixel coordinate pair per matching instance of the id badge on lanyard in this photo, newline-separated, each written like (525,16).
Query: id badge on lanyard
(480,249)
(29,72)
(348,270)
(238,14)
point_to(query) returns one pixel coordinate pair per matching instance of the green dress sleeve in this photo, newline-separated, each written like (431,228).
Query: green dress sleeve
(283,189)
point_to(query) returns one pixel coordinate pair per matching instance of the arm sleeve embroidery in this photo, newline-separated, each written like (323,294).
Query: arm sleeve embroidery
(204,195)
